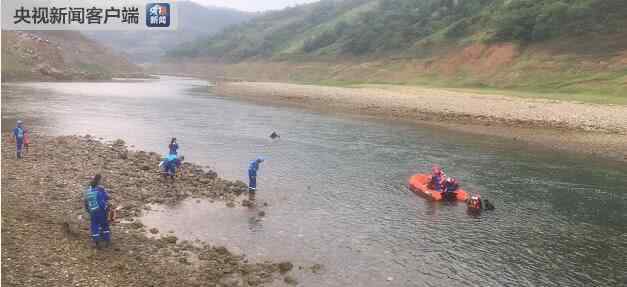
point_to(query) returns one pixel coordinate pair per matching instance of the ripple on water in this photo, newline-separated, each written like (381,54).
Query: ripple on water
(336,188)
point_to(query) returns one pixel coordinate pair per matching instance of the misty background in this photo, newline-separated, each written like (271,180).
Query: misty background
(199,19)
(253,6)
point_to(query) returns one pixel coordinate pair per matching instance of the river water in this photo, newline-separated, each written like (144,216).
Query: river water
(336,188)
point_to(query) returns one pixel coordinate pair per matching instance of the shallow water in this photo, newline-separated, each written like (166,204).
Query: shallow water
(336,188)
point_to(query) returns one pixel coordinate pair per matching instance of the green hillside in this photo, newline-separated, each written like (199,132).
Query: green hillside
(367,27)
(576,48)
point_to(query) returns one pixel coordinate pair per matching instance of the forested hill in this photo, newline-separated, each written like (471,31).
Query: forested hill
(405,27)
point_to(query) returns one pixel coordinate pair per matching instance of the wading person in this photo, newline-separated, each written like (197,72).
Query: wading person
(252,177)
(18,135)
(96,203)
(173,147)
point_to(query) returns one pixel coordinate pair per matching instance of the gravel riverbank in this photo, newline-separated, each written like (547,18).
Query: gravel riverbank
(579,127)
(45,238)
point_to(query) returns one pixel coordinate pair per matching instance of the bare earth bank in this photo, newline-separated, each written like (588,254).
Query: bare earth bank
(595,129)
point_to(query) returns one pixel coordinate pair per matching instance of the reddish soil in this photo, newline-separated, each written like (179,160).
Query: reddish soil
(478,59)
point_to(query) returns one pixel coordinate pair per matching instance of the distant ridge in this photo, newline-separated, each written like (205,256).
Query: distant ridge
(149,46)
(60,55)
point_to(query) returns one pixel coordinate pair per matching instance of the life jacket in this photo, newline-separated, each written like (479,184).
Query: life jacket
(253,167)
(450,186)
(174,148)
(20,133)
(91,196)
(436,182)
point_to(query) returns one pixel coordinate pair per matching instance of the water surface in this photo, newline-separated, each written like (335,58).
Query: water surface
(336,188)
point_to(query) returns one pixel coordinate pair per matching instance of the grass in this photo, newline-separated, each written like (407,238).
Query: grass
(531,75)
(579,96)
(576,94)
(296,44)
(566,82)
(93,69)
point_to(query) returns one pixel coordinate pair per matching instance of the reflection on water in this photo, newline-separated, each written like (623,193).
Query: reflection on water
(336,189)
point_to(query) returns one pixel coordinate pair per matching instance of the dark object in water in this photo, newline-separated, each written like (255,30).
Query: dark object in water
(487,205)
(274,135)
(449,196)
(475,204)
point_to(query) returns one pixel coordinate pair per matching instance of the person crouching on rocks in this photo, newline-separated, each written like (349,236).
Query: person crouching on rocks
(170,164)
(252,177)
(96,203)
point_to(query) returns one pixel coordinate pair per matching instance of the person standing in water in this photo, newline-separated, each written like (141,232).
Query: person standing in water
(96,204)
(18,135)
(252,177)
(173,146)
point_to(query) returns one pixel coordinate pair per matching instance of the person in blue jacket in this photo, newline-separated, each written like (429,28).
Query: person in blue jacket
(252,177)
(96,204)
(18,135)
(170,164)
(451,185)
(437,178)
(173,146)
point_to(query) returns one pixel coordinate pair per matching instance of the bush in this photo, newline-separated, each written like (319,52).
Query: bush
(394,25)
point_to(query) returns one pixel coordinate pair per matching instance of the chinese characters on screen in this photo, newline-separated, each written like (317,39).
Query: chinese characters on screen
(71,15)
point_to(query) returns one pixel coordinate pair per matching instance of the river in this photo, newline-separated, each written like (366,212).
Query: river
(336,188)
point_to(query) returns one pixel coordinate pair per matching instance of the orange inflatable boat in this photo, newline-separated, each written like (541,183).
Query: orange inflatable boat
(419,184)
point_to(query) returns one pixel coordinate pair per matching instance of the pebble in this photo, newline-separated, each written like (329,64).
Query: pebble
(131,190)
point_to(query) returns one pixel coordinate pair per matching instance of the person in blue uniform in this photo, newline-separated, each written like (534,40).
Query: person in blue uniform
(253,167)
(451,185)
(96,204)
(18,135)
(173,147)
(170,164)
(449,188)
(437,178)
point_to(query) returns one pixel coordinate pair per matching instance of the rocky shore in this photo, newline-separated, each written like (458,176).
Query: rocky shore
(595,129)
(45,237)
